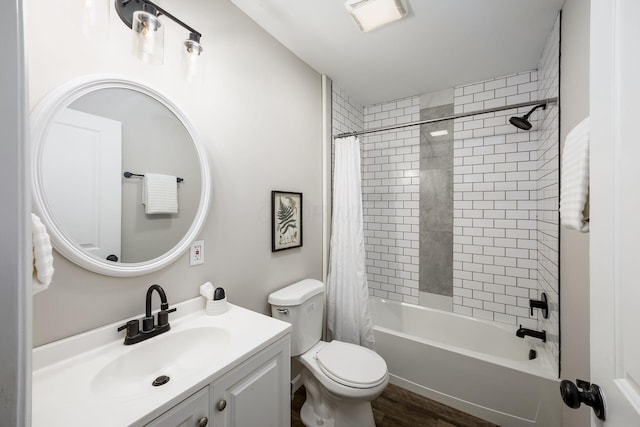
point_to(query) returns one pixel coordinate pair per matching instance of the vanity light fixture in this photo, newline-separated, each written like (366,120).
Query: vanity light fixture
(142,16)
(371,14)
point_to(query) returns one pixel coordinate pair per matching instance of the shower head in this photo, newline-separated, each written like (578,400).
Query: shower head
(520,122)
(523,122)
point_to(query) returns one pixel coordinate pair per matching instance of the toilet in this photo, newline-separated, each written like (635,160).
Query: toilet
(341,379)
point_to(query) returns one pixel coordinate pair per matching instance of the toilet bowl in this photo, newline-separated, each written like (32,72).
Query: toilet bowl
(341,379)
(347,370)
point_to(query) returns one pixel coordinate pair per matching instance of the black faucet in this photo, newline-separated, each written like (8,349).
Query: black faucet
(149,329)
(523,332)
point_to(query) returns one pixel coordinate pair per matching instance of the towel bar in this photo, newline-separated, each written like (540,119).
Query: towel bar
(129,175)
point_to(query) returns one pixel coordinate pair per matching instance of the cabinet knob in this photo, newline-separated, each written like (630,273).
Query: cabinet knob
(203,422)
(221,405)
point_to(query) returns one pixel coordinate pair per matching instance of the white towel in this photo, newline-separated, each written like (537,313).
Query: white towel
(160,194)
(574,177)
(42,255)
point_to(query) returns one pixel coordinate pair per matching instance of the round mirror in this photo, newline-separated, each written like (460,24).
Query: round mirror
(119,177)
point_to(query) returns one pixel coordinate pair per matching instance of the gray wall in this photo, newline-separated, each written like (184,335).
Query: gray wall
(258,112)
(574,246)
(436,203)
(15,252)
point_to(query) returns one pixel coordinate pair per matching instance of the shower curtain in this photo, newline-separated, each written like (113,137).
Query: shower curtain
(348,316)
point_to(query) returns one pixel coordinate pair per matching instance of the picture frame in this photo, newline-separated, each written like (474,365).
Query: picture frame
(286,220)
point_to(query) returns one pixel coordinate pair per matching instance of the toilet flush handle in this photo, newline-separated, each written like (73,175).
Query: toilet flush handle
(282,310)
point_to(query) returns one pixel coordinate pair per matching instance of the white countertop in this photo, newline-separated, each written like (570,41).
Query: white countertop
(68,387)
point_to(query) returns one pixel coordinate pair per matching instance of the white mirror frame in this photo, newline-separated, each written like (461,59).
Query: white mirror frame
(41,119)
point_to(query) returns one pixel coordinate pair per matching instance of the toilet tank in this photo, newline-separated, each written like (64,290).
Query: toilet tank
(300,304)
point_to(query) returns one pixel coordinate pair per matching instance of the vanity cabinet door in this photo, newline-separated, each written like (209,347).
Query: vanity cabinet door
(191,412)
(255,394)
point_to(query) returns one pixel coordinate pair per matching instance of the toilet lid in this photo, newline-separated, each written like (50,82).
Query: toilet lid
(351,365)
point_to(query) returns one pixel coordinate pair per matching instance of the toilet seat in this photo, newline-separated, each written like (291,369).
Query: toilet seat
(351,365)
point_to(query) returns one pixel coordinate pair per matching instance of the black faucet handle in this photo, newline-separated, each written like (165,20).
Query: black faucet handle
(163,316)
(132,327)
(147,324)
(542,304)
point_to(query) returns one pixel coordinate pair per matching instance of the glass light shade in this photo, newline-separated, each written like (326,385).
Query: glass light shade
(191,61)
(148,37)
(95,21)
(89,17)
(371,14)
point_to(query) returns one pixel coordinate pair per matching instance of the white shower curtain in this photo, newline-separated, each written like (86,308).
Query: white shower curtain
(348,316)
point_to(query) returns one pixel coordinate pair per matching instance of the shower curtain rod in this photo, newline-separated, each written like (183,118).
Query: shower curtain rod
(455,116)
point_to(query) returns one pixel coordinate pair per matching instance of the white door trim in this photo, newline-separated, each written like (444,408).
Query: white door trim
(614,92)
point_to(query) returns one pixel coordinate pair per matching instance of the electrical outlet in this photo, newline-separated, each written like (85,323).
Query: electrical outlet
(196,254)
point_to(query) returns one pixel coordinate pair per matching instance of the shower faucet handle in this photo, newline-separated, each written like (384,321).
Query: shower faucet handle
(542,304)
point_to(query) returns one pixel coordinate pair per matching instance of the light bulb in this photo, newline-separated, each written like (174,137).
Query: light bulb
(148,37)
(191,57)
(89,17)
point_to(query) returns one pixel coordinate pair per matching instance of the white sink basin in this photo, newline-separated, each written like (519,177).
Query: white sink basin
(173,354)
(94,376)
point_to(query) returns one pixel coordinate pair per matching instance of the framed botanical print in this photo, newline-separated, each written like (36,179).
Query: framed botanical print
(286,220)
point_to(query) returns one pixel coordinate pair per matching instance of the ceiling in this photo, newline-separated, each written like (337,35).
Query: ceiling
(440,44)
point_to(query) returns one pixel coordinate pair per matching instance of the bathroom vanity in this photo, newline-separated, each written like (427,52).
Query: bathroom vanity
(243,397)
(227,370)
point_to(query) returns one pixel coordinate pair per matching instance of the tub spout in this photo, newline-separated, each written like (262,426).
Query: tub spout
(523,332)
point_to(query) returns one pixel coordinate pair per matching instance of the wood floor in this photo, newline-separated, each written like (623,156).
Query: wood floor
(397,407)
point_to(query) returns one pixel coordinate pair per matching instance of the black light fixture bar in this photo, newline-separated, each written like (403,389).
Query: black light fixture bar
(126,8)
(174,19)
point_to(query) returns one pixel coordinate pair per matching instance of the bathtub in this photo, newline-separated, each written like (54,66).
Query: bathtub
(476,366)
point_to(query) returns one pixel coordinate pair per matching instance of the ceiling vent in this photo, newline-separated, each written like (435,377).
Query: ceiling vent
(372,14)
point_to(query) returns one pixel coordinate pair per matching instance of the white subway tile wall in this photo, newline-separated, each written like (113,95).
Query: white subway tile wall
(347,114)
(548,189)
(391,191)
(505,197)
(494,203)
